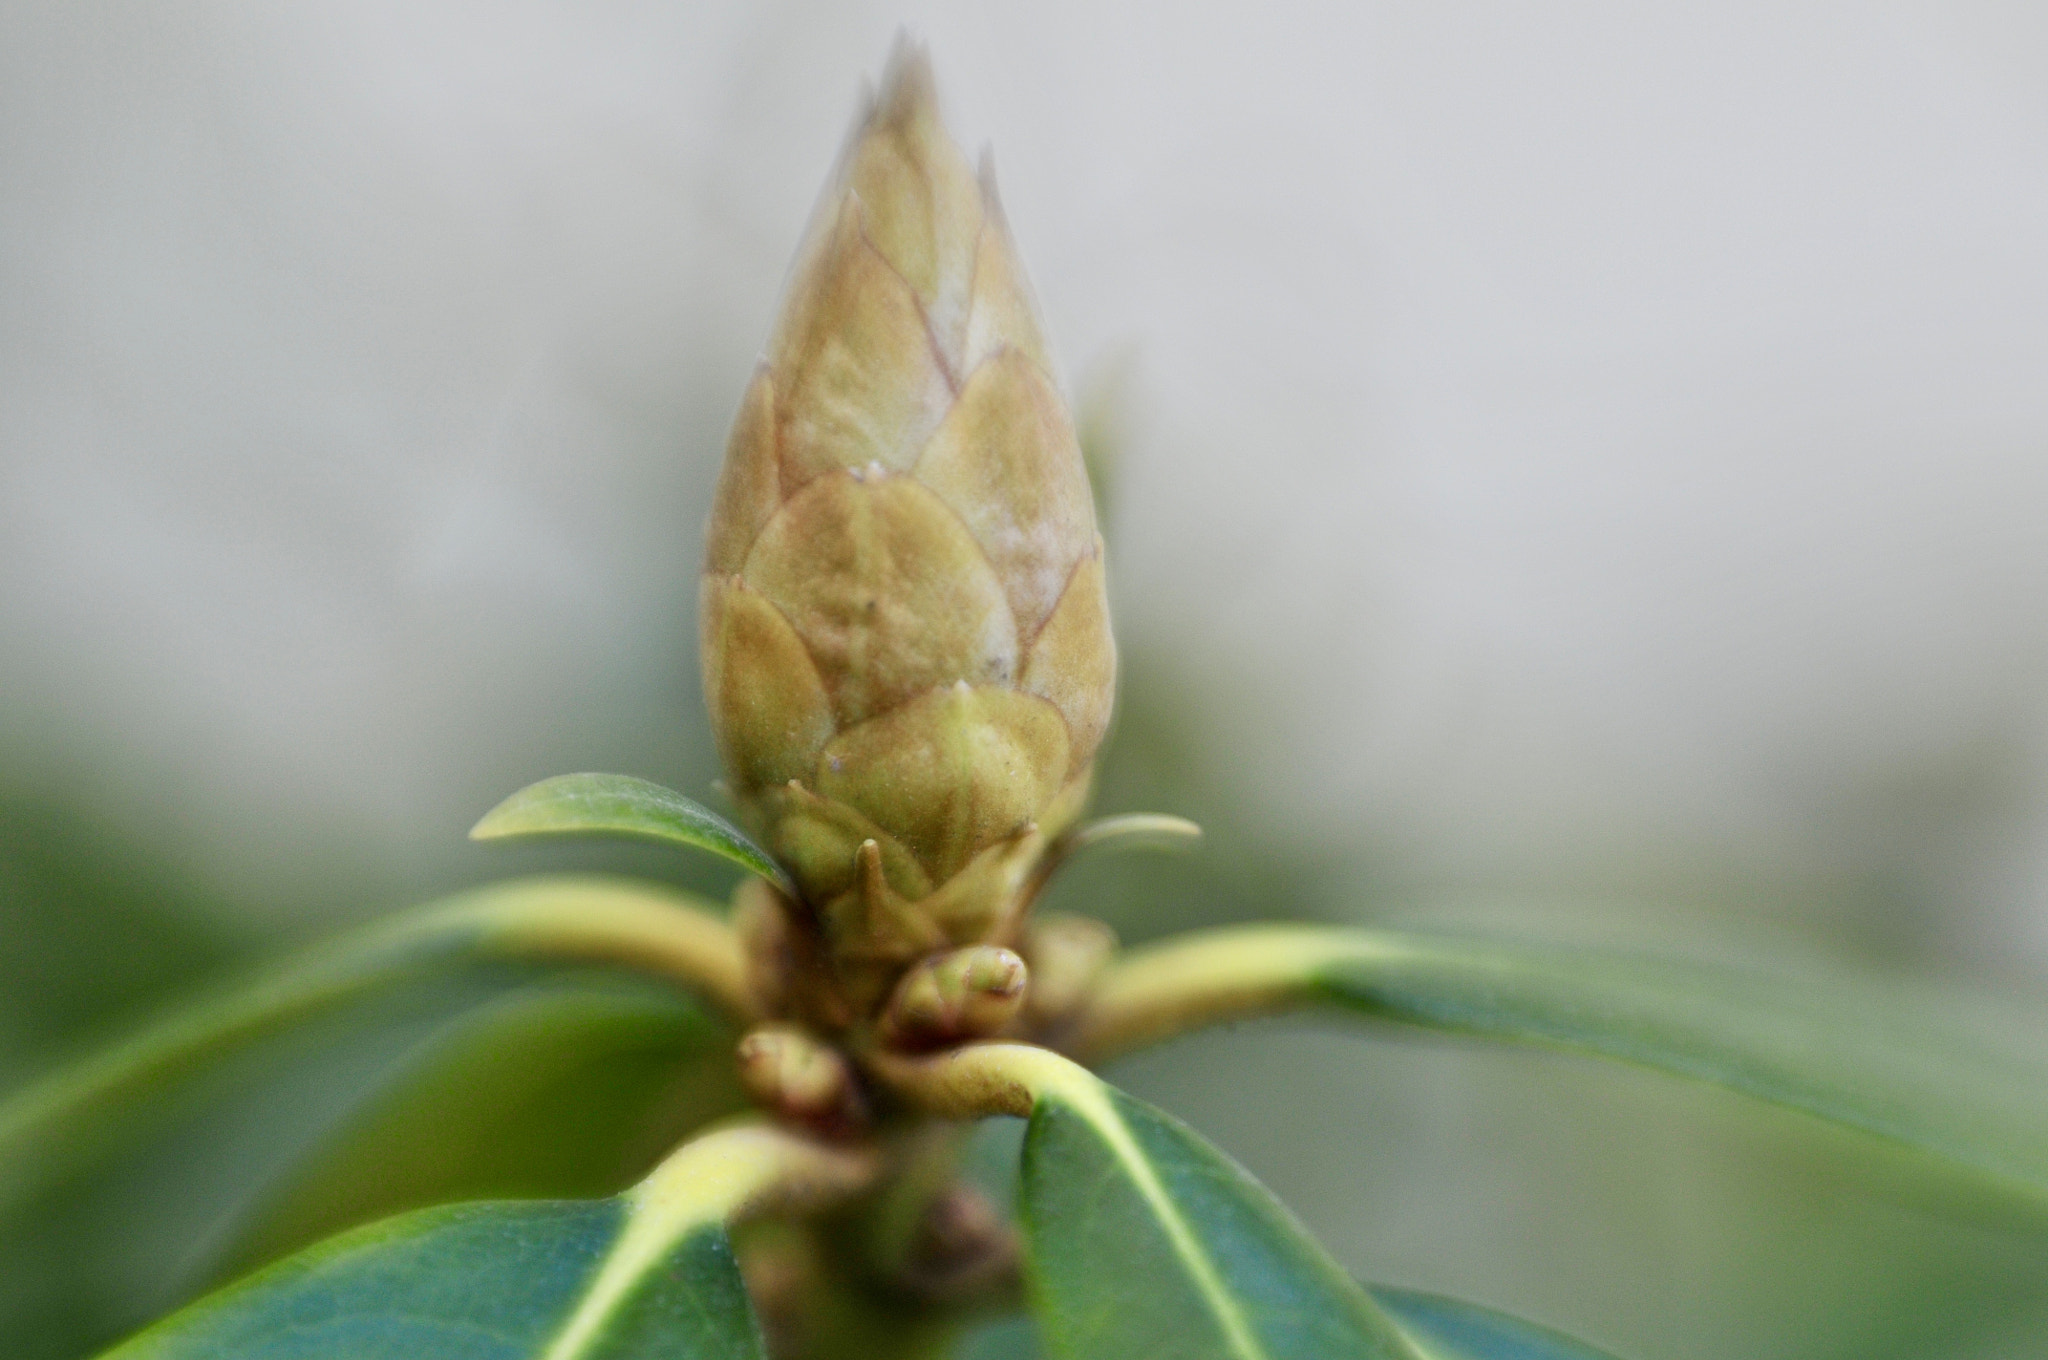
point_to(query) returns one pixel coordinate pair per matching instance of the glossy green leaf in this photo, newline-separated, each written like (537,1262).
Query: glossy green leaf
(646,1273)
(1447,1329)
(1145,1240)
(620,805)
(1854,1055)
(480,1281)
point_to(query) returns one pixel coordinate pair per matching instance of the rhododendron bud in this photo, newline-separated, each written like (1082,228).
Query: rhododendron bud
(906,639)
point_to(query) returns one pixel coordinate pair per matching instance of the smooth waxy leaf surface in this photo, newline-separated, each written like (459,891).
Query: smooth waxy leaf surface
(467,1282)
(1145,1240)
(620,805)
(1446,1329)
(1853,1055)
(648,1273)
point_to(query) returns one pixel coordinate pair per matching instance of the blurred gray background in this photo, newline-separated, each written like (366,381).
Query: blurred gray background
(1576,470)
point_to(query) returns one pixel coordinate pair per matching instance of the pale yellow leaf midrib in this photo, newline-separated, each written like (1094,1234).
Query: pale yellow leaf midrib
(1091,1102)
(702,1188)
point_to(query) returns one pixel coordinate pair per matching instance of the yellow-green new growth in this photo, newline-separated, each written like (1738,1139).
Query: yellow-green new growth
(906,640)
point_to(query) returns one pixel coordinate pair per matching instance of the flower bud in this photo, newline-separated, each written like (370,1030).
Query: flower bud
(801,1079)
(906,640)
(969,993)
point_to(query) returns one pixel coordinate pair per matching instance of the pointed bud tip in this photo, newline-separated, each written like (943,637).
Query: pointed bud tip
(996,972)
(909,90)
(906,401)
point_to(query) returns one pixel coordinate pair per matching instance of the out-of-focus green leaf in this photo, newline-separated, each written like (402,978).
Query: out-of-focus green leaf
(92,923)
(123,1182)
(1849,1054)
(104,1236)
(647,1273)
(1010,1338)
(1145,1240)
(48,1126)
(1446,1329)
(481,1086)
(567,1088)
(620,805)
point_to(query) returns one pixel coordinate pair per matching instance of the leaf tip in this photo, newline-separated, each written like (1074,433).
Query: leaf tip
(499,822)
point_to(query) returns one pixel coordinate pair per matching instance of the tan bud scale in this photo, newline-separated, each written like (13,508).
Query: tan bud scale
(906,639)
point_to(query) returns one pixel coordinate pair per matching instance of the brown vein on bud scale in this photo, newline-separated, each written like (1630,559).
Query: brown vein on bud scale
(906,639)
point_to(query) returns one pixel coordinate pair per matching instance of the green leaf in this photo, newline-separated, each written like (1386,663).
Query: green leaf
(124,1179)
(124,1218)
(564,1086)
(1009,1338)
(1860,1056)
(649,1272)
(584,920)
(568,1087)
(1145,1240)
(1135,831)
(620,805)
(1446,1329)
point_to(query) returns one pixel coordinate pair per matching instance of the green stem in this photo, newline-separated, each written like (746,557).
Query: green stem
(1855,1054)
(925,1162)
(1184,984)
(975,1081)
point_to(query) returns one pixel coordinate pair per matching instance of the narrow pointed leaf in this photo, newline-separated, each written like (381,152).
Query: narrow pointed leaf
(620,805)
(1857,1055)
(1447,1329)
(647,1273)
(1135,831)
(1145,1240)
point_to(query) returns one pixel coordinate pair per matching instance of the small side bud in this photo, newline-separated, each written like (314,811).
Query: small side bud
(802,1080)
(968,994)
(1067,954)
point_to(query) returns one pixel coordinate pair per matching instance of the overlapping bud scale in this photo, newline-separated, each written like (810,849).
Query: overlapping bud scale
(906,639)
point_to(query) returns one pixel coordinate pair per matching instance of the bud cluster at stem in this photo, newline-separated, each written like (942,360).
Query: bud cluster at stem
(906,642)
